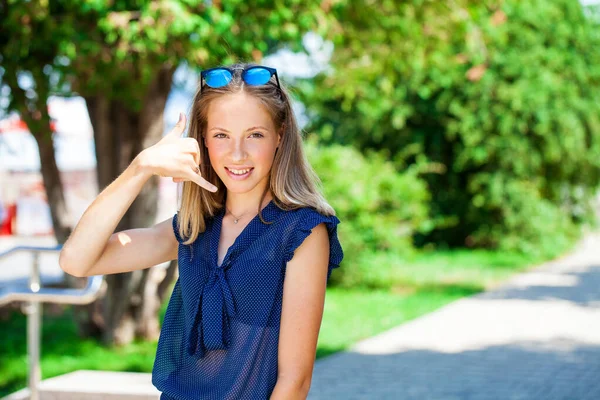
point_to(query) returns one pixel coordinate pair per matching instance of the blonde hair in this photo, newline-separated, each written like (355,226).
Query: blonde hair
(292,180)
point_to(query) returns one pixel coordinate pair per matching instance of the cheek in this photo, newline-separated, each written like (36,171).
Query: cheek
(264,154)
(215,150)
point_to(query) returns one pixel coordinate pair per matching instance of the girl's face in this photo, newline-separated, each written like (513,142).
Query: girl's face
(241,140)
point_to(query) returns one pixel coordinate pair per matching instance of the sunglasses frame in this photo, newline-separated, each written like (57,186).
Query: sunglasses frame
(273,71)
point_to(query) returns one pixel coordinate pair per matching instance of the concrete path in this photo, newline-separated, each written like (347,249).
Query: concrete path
(537,337)
(94,385)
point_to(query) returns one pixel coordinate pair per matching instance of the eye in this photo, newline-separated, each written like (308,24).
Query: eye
(219,134)
(258,133)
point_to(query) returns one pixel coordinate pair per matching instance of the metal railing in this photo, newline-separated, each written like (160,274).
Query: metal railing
(34,295)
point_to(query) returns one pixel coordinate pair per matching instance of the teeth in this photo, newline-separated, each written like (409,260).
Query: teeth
(239,171)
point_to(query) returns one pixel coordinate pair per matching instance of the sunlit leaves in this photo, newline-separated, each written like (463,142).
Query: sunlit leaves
(498,86)
(116,47)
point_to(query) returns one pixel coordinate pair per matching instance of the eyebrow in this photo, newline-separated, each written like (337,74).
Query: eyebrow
(249,129)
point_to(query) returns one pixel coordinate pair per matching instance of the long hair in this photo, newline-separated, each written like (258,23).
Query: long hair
(293,182)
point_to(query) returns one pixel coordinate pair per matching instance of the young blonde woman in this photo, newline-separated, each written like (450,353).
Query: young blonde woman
(255,240)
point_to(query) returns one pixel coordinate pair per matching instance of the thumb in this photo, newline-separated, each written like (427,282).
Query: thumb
(179,127)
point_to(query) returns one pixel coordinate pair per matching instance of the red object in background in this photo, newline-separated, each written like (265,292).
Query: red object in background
(17,124)
(6,226)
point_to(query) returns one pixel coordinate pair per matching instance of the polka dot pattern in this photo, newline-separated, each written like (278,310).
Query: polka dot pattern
(220,334)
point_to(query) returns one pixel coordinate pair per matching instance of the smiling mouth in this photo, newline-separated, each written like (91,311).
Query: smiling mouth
(241,173)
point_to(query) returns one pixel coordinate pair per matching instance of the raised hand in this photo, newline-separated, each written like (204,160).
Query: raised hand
(176,157)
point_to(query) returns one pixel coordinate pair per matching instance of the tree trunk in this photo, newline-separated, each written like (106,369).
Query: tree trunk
(130,307)
(34,113)
(50,175)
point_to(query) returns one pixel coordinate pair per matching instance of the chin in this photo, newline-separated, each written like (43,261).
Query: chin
(240,187)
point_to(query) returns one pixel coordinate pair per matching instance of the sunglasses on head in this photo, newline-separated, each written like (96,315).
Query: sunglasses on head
(254,75)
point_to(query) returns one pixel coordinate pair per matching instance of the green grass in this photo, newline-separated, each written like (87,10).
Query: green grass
(425,283)
(352,315)
(63,351)
(482,269)
(416,287)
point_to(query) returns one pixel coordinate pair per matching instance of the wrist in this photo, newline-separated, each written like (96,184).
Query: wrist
(290,390)
(141,167)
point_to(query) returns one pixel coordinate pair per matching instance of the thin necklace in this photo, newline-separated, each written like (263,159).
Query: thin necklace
(236,219)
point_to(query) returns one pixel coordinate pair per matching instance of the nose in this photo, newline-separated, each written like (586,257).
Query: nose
(238,150)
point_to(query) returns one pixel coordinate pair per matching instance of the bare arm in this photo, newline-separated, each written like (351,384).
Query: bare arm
(93,248)
(302,311)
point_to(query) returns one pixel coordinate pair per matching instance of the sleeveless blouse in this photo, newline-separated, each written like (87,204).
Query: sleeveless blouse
(220,335)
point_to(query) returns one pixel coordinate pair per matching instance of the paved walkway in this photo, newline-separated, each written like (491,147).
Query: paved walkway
(535,337)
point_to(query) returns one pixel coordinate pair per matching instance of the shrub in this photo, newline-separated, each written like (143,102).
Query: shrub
(380,208)
(501,97)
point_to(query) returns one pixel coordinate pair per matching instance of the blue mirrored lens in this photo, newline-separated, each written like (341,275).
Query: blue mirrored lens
(257,76)
(217,78)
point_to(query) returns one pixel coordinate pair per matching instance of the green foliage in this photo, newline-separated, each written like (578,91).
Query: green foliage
(380,208)
(501,97)
(530,223)
(116,48)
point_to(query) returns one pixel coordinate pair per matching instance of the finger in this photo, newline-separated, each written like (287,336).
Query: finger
(190,161)
(192,147)
(179,127)
(197,145)
(200,181)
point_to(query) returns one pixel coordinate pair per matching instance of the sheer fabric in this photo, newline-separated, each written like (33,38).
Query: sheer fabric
(220,335)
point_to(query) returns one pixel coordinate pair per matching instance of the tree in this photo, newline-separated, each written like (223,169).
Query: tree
(121,57)
(497,99)
(22,56)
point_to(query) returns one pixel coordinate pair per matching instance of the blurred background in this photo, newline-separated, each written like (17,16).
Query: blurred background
(459,143)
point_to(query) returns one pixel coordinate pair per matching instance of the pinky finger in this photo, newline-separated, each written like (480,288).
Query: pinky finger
(200,181)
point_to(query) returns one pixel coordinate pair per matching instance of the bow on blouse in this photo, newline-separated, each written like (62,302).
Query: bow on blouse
(211,329)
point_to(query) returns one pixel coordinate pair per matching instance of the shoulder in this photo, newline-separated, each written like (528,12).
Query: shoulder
(306,222)
(307,219)
(308,215)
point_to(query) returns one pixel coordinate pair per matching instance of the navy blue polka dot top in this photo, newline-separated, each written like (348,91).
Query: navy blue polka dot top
(220,335)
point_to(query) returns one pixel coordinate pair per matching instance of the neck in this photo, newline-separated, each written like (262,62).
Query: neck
(241,206)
